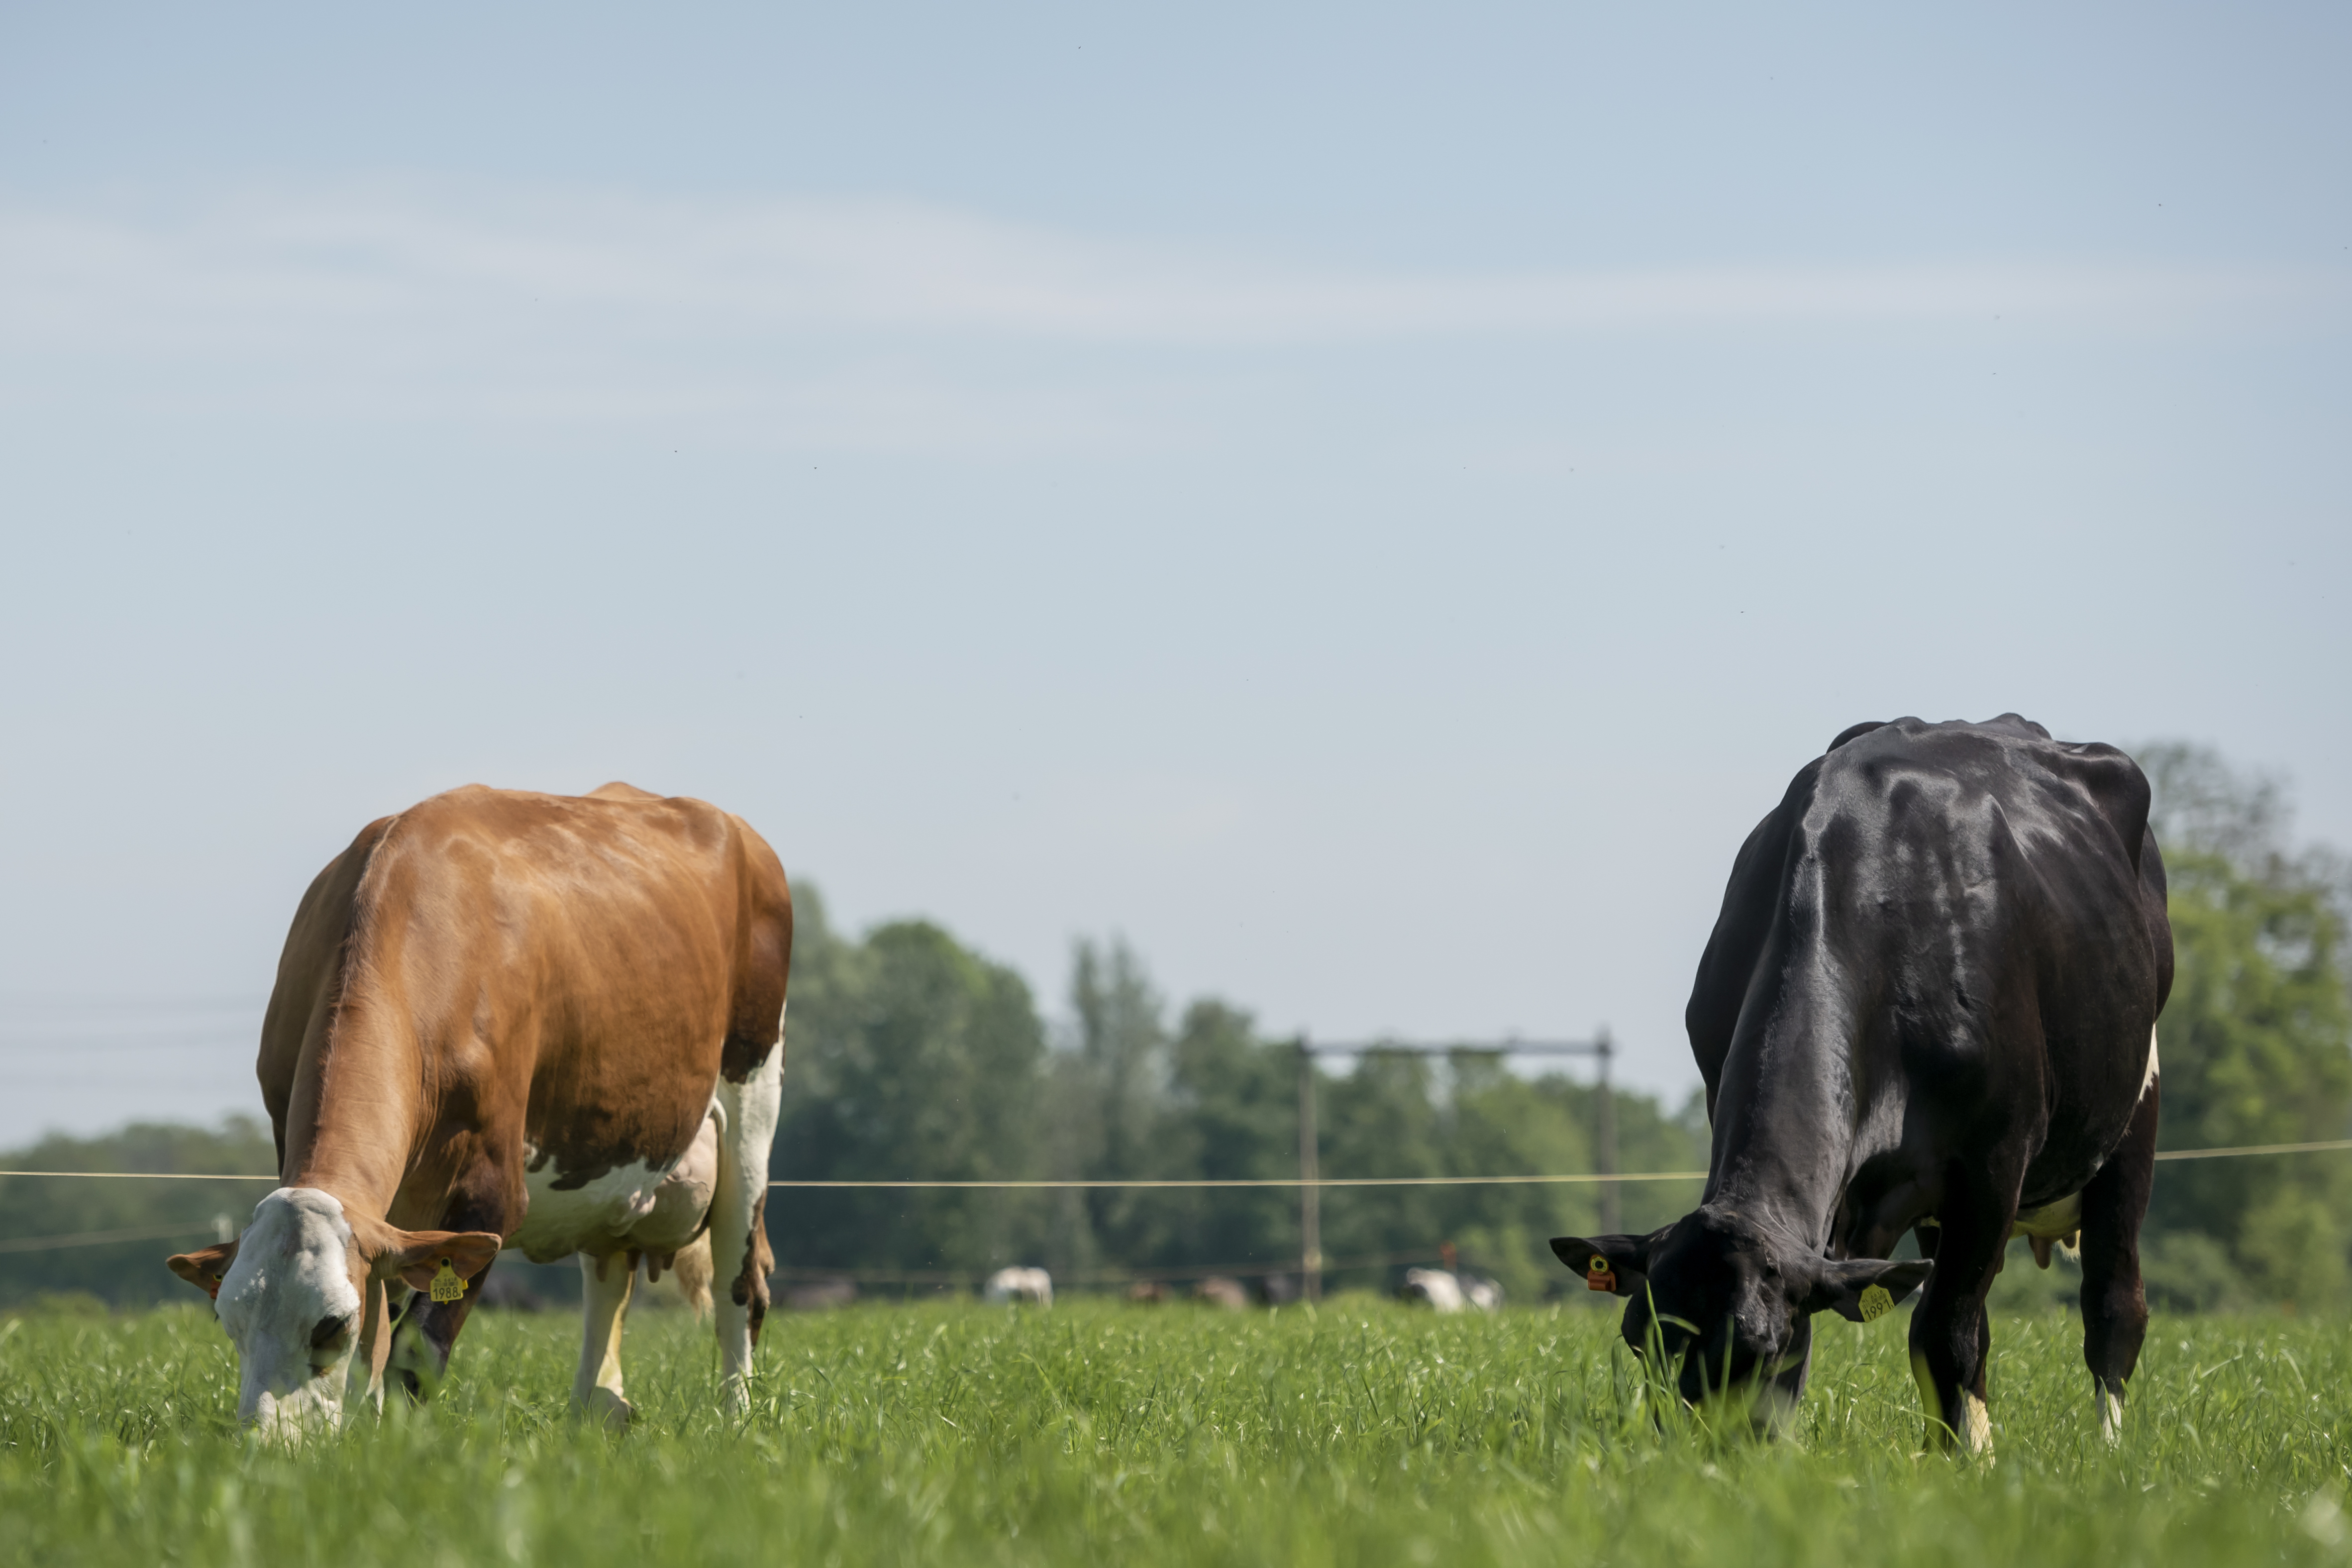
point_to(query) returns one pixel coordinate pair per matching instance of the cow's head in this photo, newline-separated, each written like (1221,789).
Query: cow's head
(292,1291)
(1727,1303)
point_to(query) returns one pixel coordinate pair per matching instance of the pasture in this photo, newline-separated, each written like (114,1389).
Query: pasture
(1099,1433)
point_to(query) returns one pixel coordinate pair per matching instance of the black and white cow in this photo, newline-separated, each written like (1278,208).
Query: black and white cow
(1929,1002)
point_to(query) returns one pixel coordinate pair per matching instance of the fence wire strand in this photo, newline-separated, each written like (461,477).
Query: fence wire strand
(2322,1146)
(99,1239)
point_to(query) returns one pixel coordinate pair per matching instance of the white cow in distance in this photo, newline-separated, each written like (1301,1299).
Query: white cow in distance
(1025,1287)
(1444,1291)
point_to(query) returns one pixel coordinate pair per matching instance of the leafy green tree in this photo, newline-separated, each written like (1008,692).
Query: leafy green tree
(1111,1091)
(909,1058)
(2256,1046)
(1468,1115)
(1123,1040)
(152,1219)
(1232,1115)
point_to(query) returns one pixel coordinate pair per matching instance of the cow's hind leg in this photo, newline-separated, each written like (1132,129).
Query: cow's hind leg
(738,1236)
(604,1285)
(2115,1303)
(1951,1338)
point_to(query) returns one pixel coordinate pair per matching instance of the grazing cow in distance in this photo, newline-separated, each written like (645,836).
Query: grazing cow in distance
(1450,1291)
(505,1019)
(819,1295)
(1022,1287)
(1928,1004)
(1278,1289)
(1225,1294)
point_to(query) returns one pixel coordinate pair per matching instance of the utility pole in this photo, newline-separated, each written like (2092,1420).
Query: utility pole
(1605,1136)
(1311,1194)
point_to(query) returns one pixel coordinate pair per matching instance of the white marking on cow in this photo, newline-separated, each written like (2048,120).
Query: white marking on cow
(746,1117)
(649,1207)
(660,1209)
(291,1273)
(1449,1291)
(2147,1078)
(1975,1432)
(1025,1287)
(1975,1423)
(1434,1288)
(2110,1402)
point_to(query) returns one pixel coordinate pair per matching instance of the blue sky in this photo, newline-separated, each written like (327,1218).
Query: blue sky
(1372,503)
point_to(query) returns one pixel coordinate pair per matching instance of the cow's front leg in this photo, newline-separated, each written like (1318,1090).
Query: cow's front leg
(2115,1303)
(425,1331)
(422,1337)
(1780,1393)
(364,1382)
(604,1286)
(1952,1340)
(740,1258)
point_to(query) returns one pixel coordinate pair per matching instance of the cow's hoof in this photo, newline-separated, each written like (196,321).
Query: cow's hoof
(609,1408)
(2111,1416)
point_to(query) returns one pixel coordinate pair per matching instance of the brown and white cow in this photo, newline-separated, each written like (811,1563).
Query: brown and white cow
(503,1018)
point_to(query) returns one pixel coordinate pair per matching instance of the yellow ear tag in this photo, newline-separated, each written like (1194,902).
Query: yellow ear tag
(447,1287)
(1876,1303)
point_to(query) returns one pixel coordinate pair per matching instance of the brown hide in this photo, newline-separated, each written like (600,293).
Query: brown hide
(494,969)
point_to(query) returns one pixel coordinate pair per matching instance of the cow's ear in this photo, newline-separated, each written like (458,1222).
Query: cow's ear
(1861,1289)
(1617,1264)
(414,1257)
(204,1269)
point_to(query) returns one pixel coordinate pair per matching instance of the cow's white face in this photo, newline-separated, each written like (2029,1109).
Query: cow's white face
(291,1306)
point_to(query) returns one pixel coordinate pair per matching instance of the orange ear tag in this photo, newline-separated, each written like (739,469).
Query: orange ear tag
(1599,1276)
(447,1286)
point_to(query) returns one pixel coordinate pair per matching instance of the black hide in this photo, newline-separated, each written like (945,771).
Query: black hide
(1930,996)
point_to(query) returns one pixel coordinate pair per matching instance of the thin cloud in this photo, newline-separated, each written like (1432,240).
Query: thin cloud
(865,265)
(522,304)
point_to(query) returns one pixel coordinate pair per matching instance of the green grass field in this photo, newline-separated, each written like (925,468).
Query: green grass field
(1101,1433)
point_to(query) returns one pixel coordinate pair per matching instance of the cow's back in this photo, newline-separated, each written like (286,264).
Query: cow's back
(1982,900)
(302,999)
(577,971)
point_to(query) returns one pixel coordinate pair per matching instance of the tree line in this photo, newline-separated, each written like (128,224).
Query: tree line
(913,1056)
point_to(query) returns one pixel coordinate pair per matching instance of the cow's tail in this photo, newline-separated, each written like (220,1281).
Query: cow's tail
(694,1273)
